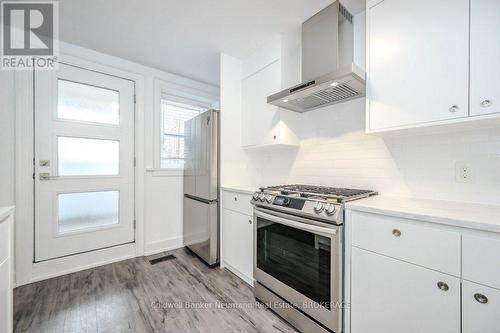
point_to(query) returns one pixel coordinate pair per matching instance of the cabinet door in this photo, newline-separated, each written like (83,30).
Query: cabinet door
(5,297)
(237,243)
(260,121)
(391,296)
(481,309)
(417,62)
(484,57)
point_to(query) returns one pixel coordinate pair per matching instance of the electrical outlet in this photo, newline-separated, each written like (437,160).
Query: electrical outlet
(463,173)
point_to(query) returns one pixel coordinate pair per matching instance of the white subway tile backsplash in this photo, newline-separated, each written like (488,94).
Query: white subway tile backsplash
(335,151)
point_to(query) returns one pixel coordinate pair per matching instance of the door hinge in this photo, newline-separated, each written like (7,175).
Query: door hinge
(135,99)
(135,222)
(33,176)
(135,162)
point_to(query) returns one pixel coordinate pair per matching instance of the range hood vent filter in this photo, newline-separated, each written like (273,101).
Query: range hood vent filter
(325,97)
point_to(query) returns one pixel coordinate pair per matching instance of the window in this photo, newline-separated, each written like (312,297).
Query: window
(173,116)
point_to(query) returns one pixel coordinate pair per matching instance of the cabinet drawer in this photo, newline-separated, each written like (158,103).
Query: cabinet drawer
(480,308)
(480,260)
(4,239)
(406,240)
(238,202)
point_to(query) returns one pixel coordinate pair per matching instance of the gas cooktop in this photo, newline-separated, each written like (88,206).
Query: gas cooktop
(316,202)
(313,191)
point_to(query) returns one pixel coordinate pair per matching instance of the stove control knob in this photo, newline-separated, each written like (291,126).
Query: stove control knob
(330,210)
(269,198)
(318,207)
(256,196)
(262,197)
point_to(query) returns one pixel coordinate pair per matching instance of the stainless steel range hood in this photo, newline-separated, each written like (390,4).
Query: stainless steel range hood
(329,74)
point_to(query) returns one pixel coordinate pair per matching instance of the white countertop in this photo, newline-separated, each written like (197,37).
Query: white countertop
(4,212)
(466,215)
(245,189)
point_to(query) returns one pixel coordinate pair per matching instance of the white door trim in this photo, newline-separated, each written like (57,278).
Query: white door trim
(26,270)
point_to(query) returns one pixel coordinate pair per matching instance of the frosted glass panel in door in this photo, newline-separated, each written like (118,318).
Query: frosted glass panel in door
(83,102)
(87,210)
(87,157)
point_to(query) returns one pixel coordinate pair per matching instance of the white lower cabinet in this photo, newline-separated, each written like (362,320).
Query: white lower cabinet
(392,296)
(5,297)
(237,243)
(481,308)
(6,271)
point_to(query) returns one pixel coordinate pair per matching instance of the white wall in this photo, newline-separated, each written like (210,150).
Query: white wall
(335,151)
(238,166)
(163,194)
(7,138)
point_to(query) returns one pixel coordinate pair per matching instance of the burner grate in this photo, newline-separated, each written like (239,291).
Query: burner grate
(313,190)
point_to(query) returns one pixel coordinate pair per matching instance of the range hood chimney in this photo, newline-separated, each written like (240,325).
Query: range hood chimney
(329,74)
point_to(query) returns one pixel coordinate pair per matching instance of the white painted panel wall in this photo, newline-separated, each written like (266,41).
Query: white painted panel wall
(163,213)
(7,139)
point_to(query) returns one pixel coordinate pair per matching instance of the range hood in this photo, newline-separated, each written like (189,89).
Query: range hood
(329,74)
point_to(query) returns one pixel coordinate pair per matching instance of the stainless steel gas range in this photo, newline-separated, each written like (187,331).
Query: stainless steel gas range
(298,249)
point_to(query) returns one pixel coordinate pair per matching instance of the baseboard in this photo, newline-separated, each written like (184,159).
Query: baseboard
(247,279)
(62,266)
(163,245)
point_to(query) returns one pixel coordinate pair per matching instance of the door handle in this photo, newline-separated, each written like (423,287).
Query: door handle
(46,176)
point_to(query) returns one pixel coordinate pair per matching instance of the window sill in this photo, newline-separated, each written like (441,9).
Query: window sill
(165,172)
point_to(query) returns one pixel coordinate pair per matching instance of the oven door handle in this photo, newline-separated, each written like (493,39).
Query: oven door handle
(298,225)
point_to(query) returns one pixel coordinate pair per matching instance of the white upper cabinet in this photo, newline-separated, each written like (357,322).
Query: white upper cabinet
(417,62)
(260,121)
(484,57)
(265,125)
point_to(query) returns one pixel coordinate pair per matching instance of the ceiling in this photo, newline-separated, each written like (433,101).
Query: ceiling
(181,36)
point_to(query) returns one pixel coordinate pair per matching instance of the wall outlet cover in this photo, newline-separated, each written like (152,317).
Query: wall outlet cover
(463,172)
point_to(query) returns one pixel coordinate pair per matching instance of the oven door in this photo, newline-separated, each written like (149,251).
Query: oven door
(301,261)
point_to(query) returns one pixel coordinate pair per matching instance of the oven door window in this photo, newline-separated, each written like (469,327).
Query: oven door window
(297,258)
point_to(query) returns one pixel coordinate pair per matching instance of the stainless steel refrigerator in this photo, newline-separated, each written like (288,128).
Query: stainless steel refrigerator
(201,186)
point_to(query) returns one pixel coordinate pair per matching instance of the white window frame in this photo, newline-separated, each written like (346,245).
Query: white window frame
(176,93)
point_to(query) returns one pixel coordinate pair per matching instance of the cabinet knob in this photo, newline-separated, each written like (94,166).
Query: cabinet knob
(486,103)
(481,298)
(454,108)
(235,199)
(443,286)
(396,232)
(249,221)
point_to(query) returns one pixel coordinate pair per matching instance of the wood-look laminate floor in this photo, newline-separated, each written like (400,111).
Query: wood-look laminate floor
(180,295)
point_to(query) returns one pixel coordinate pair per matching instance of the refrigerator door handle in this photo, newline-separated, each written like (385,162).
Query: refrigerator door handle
(209,202)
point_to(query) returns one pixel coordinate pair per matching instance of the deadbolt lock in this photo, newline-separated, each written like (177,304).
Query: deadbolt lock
(44,176)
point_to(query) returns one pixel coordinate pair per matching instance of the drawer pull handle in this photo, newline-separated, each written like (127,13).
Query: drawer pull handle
(481,298)
(486,103)
(396,232)
(443,286)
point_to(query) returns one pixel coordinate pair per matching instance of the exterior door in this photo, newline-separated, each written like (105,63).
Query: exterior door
(84,161)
